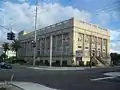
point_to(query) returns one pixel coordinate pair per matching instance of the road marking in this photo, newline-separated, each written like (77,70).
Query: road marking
(97,79)
(112,74)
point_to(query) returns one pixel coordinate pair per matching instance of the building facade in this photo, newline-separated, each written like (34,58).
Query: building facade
(10,53)
(72,41)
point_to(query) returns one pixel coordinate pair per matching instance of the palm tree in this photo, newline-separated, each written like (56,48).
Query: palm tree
(15,46)
(5,47)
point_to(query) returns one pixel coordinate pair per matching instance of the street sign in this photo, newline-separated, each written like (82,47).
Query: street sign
(79,53)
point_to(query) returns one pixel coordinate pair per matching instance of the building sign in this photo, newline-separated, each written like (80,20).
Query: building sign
(79,55)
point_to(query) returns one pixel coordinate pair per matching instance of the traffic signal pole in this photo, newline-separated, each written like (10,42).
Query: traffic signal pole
(10,35)
(35,37)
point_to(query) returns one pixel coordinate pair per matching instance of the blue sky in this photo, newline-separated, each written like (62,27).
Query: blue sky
(101,12)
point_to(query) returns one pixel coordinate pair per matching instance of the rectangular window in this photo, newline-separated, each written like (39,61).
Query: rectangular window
(80,37)
(79,47)
(99,41)
(38,53)
(86,47)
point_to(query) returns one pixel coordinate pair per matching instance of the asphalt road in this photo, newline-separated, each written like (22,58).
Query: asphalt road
(64,80)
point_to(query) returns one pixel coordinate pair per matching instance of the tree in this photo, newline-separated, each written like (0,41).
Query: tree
(115,58)
(15,46)
(3,56)
(5,47)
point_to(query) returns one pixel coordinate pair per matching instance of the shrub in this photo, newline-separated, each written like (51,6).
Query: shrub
(12,59)
(81,63)
(20,61)
(64,63)
(57,63)
(46,63)
(88,63)
(39,62)
(3,56)
(3,88)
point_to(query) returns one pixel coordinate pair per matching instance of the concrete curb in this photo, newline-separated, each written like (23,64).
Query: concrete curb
(58,68)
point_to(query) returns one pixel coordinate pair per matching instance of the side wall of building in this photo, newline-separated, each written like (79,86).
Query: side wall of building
(90,39)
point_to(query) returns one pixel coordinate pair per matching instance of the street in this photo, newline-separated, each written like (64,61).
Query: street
(64,80)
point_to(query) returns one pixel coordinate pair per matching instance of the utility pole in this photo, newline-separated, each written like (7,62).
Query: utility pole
(34,56)
(51,50)
(10,25)
(61,51)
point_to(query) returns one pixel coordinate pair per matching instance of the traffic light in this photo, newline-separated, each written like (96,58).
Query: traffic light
(11,36)
(33,43)
(8,36)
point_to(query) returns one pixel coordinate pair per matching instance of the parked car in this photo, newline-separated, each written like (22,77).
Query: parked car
(5,65)
(1,61)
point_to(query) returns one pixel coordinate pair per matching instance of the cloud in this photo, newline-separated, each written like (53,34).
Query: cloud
(104,17)
(115,41)
(115,34)
(23,14)
(115,47)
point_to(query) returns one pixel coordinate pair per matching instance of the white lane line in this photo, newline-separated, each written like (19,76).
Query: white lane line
(102,78)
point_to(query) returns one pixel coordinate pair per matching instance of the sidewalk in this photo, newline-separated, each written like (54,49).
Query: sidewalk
(58,68)
(23,86)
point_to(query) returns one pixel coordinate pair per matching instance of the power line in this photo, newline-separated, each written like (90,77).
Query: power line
(107,7)
(4,27)
(115,40)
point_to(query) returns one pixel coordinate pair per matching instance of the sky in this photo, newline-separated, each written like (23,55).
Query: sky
(19,15)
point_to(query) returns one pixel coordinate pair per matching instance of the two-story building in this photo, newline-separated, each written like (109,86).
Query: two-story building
(72,41)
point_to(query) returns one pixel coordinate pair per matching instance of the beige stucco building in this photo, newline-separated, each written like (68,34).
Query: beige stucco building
(69,38)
